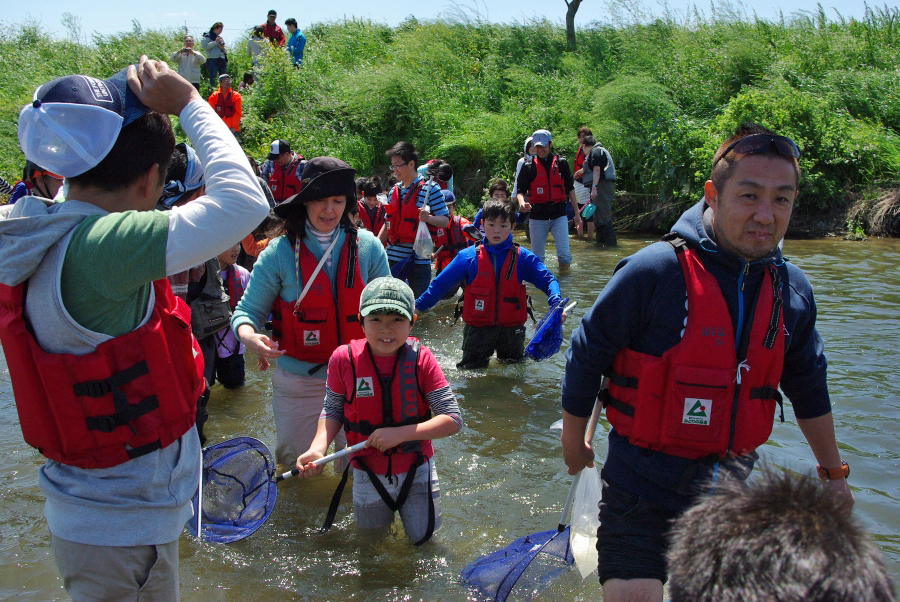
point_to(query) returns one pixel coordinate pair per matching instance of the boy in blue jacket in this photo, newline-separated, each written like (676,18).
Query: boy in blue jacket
(494,299)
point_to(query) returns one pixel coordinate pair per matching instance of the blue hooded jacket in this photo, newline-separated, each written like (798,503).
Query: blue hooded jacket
(464,267)
(642,307)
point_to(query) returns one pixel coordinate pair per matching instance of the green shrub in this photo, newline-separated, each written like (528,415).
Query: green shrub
(837,150)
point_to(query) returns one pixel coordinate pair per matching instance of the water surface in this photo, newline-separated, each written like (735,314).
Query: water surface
(502,476)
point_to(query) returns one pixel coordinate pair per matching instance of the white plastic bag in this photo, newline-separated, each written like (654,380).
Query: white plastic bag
(423,246)
(585,521)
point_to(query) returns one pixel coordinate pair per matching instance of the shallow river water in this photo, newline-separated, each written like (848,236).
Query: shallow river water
(502,476)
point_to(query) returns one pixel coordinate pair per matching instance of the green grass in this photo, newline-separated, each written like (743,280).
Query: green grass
(660,95)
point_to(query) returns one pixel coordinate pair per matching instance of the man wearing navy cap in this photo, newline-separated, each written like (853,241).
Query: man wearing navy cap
(106,381)
(282,170)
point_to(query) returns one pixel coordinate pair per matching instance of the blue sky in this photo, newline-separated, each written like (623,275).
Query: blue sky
(111,16)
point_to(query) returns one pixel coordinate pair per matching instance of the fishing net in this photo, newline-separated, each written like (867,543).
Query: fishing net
(548,336)
(238,490)
(545,555)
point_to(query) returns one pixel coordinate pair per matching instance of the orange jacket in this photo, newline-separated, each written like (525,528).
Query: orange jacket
(233,106)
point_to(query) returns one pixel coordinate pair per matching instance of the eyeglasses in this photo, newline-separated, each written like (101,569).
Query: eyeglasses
(761,143)
(396,167)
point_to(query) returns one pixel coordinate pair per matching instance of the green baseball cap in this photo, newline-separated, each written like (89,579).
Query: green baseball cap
(387,293)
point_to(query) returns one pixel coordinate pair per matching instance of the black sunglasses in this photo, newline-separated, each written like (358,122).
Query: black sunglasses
(761,143)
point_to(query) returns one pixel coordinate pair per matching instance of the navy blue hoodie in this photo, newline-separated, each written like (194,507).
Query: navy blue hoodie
(642,307)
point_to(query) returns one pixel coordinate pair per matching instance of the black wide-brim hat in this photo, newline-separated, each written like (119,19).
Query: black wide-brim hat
(322,177)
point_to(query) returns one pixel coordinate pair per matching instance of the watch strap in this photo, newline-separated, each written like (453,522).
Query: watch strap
(833,474)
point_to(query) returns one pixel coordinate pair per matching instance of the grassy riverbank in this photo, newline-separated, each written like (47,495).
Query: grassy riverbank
(659,95)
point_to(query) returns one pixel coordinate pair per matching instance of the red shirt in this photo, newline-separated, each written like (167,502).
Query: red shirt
(340,375)
(274,33)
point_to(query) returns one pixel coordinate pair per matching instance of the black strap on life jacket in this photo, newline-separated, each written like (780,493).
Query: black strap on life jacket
(390,502)
(766,393)
(125,412)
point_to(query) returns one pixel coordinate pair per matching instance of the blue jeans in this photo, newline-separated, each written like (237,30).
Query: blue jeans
(215,68)
(559,228)
(418,275)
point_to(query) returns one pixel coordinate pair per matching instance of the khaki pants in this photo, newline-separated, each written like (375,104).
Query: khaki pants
(95,573)
(297,402)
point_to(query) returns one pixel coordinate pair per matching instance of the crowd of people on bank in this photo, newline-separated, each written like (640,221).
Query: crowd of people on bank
(159,269)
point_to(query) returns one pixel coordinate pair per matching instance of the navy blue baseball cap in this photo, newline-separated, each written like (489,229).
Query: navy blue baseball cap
(73,122)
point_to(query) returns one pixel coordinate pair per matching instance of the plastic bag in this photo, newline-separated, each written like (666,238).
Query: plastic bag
(423,246)
(585,521)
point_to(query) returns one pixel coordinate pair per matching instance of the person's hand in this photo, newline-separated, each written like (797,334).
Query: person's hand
(262,363)
(578,173)
(578,223)
(305,463)
(261,345)
(840,488)
(525,207)
(161,89)
(424,214)
(576,453)
(564,316)
(593,193)
(384,439)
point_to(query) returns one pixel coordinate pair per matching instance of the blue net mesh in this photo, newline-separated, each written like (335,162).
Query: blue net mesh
(548,336)
(545,555)
(238,490)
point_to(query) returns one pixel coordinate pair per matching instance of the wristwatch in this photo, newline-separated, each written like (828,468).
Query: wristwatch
(833,474)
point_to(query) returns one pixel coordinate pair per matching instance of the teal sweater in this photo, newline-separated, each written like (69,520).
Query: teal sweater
(274,274)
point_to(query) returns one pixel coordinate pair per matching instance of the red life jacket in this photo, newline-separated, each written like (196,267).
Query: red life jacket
(283,181)
(452,239)
(132,395)
(225,104)
(368,224)
(699,399)
(233,286)
(402,217)
(385,401)
(579,159)
(495,299)
(321,323)
(546,188)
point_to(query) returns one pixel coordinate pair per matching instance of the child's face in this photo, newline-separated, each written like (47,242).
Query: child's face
(499,195)
(230,256)
(497,230)
(386,333)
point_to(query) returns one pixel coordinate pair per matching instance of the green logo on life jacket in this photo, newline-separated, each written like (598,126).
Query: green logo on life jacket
(364,387)
(696,411)
(311,337)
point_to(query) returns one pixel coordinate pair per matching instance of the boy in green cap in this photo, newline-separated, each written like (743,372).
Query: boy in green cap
(389,391)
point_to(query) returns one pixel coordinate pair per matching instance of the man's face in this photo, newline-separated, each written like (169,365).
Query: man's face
(189,42)
(225,84)
(291,28)
(541,151)
(580,139)
(285,158)
(404,170)
(752,211)
(271,19)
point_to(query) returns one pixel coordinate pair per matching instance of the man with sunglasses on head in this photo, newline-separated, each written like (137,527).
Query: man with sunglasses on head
(694,335)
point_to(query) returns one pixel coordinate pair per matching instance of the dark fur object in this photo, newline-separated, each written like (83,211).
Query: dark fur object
(780,538)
